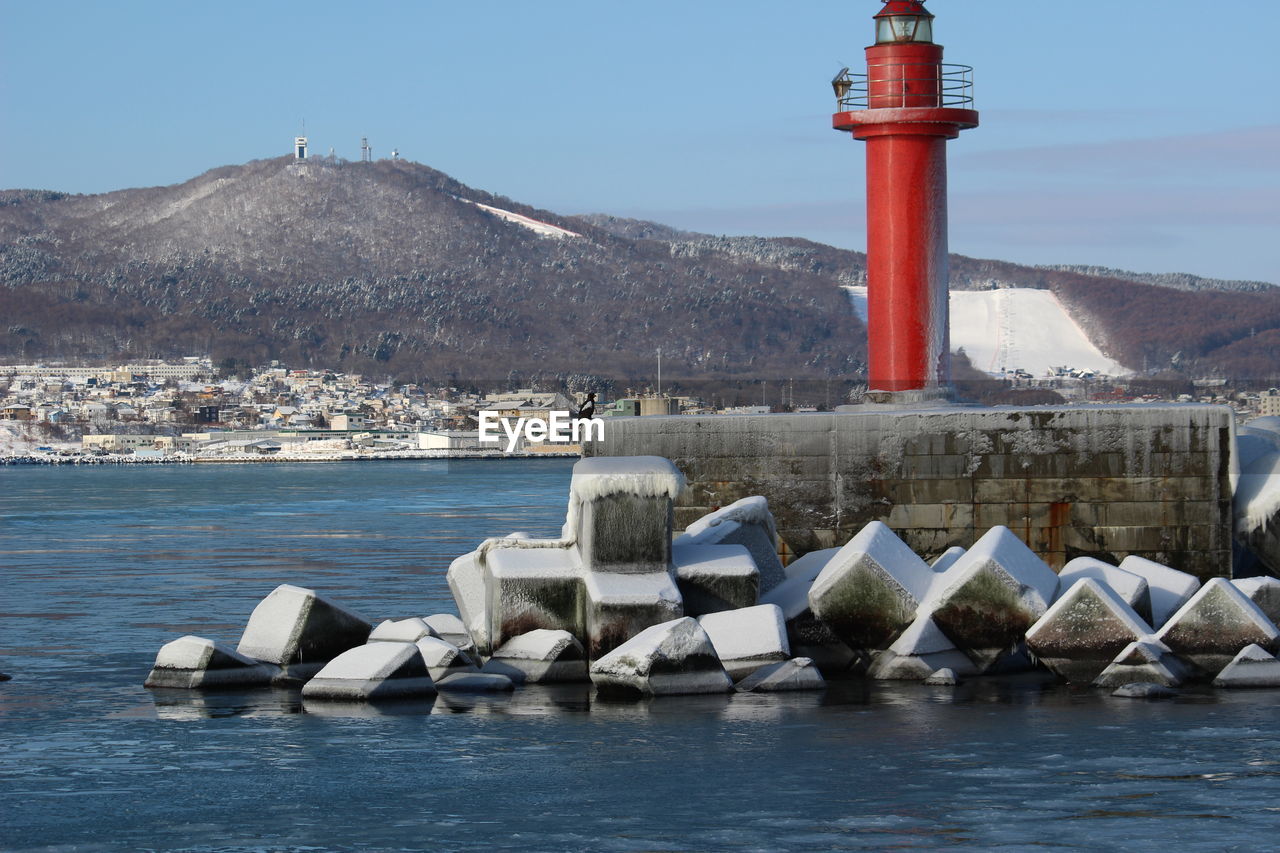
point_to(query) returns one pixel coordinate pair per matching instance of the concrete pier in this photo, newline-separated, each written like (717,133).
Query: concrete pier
(1072,481)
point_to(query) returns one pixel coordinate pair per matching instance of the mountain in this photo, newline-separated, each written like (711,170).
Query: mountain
(393,268)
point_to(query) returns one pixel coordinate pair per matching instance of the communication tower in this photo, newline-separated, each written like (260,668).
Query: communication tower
(366,153)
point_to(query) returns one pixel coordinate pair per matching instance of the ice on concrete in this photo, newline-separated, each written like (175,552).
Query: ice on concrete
(749,523)
(793,674)
(946,559)
(747,639)
(466,582)
(1252,667)
(1257,495)
(603,476)
(714,577)
(1129,586)
(943,678)
(195,662)
(619,606)
(475,682)
(401,631)
(990,596)
(1145,660)
(1264,592)
(297,628)
(1168,588)
(373,671)
(1144,690)
(443,658)
(869,592)
(672,658)
(918,652)
(540,657)
(451,629)
(1214,625)
(808,636)
(1083,631)
(810,565)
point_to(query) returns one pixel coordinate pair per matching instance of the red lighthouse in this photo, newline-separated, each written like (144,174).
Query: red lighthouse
(905,107)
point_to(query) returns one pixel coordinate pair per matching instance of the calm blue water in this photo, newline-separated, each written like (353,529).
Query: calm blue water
(102,566)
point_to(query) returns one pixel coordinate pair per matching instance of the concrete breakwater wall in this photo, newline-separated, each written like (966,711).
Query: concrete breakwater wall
(1098,481)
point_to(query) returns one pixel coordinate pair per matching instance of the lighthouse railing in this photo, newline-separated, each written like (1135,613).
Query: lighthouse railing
(890,85)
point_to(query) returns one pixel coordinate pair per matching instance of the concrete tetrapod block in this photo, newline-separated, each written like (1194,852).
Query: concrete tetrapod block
(620,513)
(194,662)
(540,657)
(1264,592)
(1169,588)
(401,631)
(715,577)
(1252,667)
(1214,625)
(466,582)
(531,588)
(295,628)
(443,659)
(451,629)
(920,651)
(670,659)
(870,591)
(793,674)
(1148,660)
(748,523)
(620,606)
(807,635)
(946,559)
(1130,587)
(476,682)
(1081,634)
(374,671)
(990,596)
(945,677)
(747,639)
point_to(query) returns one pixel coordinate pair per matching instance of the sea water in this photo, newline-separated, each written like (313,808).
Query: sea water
(101,566)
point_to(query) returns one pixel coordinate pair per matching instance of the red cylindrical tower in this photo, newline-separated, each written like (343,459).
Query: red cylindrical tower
(906,106)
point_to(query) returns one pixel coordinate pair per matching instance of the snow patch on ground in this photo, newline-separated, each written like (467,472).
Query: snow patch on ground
(546,229)
(1012,329)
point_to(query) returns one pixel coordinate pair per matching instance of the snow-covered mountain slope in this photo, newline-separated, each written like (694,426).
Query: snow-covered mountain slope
(546,229)
(1015,329)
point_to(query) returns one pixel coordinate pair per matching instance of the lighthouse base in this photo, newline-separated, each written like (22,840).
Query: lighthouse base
(1100,481)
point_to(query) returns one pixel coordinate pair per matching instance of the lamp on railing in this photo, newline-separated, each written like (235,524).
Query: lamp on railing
(842,83)
(904,21)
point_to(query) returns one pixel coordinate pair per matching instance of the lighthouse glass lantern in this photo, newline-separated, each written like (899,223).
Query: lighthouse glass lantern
(904,21)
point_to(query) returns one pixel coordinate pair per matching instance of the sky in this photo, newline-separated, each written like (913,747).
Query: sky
(1142,135)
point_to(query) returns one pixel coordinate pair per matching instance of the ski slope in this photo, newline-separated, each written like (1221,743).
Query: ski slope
(1015,328)
(546,229)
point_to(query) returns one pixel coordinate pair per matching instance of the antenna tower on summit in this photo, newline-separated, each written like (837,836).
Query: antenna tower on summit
(366,153)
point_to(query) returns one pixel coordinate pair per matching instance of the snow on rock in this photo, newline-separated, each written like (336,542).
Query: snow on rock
(540,657)
(921,650)
(545,229)
(373,671)
(749,523)
(1217,622)
(868,593)
(747,639)
(1129,586)
(1252,667)
(192,662)
(401,631)
(990,596)
(1084,630)
(442,658)
(1145,660)
(1015,328)
(1168,588)
(715,577)
(672,658)
(794,674)
(1264,592)
(296,628)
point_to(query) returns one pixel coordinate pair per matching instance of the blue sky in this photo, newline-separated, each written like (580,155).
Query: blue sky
(1143,135)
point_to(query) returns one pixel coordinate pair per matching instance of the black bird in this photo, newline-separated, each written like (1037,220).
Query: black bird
(588,410)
